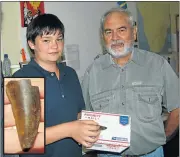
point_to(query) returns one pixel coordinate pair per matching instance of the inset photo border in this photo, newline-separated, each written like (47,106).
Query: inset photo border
(24,120)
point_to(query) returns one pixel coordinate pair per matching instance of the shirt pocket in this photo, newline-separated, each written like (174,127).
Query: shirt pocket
(147,103)
(101,101)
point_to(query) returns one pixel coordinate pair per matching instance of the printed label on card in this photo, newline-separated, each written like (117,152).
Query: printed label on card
(124,120)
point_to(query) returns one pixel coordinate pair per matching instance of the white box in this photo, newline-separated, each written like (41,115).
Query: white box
(116,138)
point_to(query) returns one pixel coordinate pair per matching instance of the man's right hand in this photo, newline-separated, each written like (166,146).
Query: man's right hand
(85,132)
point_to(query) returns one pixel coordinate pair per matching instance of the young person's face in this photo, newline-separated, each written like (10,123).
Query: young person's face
(48,48)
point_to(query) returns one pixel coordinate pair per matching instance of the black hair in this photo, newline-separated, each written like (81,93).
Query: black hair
(43,24)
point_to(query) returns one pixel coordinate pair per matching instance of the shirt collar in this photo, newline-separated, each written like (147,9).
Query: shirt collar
(136,57)
(45,72)
(108,60)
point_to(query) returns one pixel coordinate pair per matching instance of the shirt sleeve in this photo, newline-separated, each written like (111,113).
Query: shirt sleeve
(18,73)
(80,98)
(85,90)
(171,87)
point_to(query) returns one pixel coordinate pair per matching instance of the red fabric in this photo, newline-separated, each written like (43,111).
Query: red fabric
(33,8)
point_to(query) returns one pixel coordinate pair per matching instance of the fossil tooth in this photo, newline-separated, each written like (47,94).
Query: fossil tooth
(25,101)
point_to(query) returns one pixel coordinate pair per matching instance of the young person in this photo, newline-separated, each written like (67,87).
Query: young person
(63,95)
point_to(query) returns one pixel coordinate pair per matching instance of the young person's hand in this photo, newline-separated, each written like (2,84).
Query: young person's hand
(85,132)
(11,140)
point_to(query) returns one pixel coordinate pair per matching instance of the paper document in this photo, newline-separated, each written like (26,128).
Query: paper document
(72,56)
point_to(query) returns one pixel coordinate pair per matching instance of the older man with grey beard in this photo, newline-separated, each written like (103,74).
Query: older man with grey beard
(130,81)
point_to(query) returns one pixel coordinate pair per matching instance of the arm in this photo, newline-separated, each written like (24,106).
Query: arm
(171,95)
(57,132)
(172,122)
(80,130)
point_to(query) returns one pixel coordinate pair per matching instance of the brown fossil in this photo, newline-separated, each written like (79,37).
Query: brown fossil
(25,102)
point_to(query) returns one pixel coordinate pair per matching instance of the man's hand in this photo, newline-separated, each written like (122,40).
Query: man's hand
(172,123)
(11,140)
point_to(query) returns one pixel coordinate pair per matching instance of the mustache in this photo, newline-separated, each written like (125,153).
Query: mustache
(120,41)
(117,42)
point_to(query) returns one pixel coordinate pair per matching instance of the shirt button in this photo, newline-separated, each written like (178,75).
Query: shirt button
(122,70)
(63,96)
(123,104)
(122,86)
(52,74)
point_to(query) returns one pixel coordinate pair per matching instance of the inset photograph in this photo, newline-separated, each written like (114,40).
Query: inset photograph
(24,131)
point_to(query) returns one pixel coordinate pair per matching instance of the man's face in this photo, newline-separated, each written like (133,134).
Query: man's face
(118,34)
(48,48)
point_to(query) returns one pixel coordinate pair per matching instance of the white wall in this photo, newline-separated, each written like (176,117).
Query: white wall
(10,31)
(82,22)
(133,9)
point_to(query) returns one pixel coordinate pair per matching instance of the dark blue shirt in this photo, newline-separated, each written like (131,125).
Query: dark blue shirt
(63,101)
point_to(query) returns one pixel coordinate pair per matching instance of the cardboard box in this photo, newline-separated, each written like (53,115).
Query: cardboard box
(115,135)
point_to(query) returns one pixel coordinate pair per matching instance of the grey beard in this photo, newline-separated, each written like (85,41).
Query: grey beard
(119,55)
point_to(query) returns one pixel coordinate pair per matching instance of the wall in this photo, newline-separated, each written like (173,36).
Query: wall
(10,33)
(81,20)
(174,9)
(156,23)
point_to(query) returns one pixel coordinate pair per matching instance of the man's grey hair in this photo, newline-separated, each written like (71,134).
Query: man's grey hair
(118,9)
